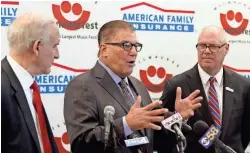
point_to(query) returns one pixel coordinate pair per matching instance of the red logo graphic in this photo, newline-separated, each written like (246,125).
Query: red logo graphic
(63,140)
(238,18)
(66,8)
(151,71)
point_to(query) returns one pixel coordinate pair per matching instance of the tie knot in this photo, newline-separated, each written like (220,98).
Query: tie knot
(123,83)
(34,86)
(212,80)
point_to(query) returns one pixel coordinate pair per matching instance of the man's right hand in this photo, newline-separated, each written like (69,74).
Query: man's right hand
(143,117)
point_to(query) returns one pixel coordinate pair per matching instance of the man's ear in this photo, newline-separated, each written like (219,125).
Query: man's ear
(36,47)
(103,50)
(227,49)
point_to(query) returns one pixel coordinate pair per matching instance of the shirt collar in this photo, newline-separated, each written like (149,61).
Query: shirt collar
(205,77)
(23,76)
(114,76)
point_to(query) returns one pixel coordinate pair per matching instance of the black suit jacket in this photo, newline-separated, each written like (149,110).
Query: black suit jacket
(18,128)
(235,125)
(85,99)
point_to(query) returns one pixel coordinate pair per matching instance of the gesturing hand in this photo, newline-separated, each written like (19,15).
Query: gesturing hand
(187,106)
(143,117)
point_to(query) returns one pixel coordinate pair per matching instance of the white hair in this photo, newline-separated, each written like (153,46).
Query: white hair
(28,28)
(220,32)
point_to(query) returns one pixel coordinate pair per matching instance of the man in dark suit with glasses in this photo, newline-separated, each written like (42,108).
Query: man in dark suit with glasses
(226,94)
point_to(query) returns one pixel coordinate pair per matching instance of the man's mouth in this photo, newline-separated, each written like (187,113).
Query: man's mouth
(131,62)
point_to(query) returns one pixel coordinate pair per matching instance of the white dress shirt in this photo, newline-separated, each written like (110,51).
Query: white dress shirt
(26,81)
(218,84)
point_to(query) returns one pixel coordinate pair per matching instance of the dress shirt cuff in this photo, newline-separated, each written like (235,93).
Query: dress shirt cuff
(127,130)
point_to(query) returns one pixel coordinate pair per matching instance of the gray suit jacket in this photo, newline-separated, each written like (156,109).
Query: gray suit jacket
(236,109)
(85,99)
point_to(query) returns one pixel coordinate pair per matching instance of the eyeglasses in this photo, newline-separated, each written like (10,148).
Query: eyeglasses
(212,48)
(128,46)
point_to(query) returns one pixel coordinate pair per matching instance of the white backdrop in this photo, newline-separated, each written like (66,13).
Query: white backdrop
(167,29)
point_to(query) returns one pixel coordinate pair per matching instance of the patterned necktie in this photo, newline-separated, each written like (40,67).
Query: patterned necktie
(126,93)
(130,100)
(214,103)
(37,102)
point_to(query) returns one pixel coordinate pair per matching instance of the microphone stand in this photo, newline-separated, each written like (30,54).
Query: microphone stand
(180,146)
(114,136)
(181,140)
(181,143)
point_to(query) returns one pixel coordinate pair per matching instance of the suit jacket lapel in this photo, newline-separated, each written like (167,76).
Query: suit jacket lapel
(138,91)
(106,81)
(21,101)
(194,83)
(228,99)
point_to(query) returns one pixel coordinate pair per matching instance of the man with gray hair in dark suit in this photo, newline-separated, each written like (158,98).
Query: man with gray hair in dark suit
(226,103)
(33,40)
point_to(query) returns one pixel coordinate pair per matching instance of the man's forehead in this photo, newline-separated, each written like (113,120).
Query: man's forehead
(125,35)
(209,36)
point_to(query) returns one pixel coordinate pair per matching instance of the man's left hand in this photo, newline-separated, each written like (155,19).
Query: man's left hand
(187,106)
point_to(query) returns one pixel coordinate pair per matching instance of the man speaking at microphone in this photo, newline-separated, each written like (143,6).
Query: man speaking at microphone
(109,83)
(227,93)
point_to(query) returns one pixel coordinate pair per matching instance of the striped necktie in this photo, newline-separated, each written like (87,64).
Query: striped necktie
(214,103)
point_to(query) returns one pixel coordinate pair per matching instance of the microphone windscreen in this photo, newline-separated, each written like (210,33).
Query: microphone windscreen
(200,127)
(109,109)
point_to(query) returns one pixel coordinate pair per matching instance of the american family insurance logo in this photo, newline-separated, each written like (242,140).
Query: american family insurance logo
(147,17)
(244,72)
(234,18)
(76,10)
(153,75)
(8,12)
(57,83)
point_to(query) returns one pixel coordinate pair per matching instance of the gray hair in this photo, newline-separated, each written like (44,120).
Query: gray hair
(220,32)
(28,28)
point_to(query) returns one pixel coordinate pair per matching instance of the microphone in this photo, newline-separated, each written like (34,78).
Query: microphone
(136,140)
(109,112)
(184,126)
(135,136)
(200,127)
(174,123)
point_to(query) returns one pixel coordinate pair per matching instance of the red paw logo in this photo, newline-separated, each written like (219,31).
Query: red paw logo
(76,8)
(231,15)
(152,72)
(62,143)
